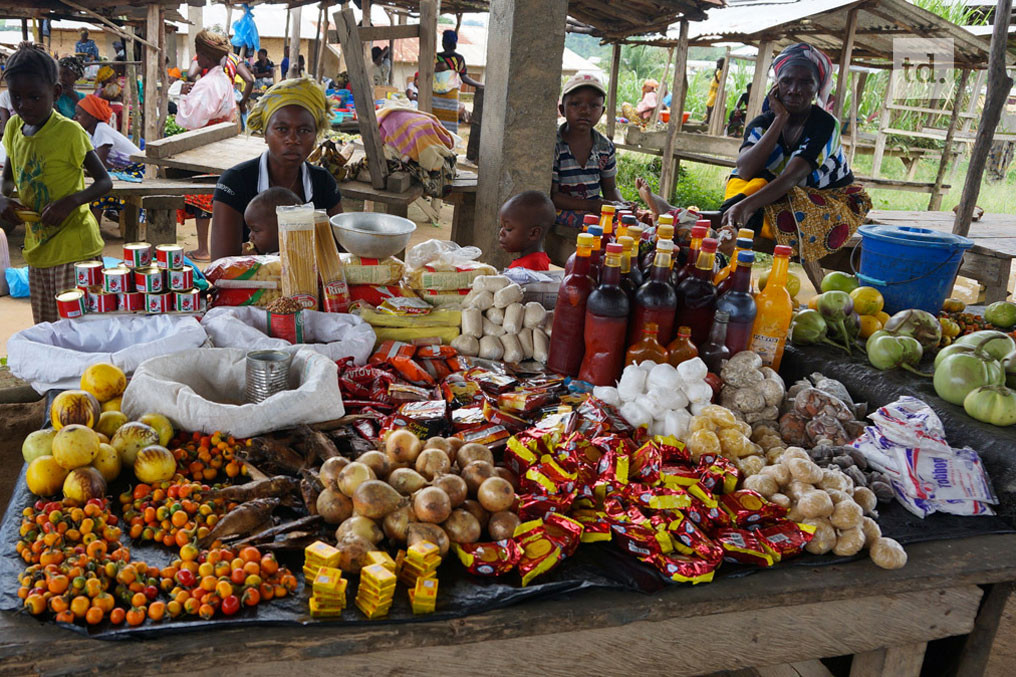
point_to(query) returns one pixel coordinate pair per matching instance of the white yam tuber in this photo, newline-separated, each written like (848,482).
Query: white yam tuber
(506,296)
(466,345)
(491,348)
(513,316)
(850,542)
(607,394)
(535,313)
(888,554)
(495,315)
(512,349)
(472,322)
(541,346)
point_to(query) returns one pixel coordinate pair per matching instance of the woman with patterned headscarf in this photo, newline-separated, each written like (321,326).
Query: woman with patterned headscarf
(449,74)
(292,115)
(792,183)
(71,70)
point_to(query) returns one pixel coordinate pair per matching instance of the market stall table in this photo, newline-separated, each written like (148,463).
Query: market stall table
(777,616)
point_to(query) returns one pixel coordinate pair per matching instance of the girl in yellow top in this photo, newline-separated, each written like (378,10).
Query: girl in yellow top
(47,158)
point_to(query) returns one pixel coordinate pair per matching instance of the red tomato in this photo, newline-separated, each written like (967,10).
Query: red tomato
(230,605)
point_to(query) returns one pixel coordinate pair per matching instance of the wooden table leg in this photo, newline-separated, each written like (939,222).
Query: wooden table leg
(973,660)
(464,219)
(893,661)
(131,227)
(398,209)
(998,289)
(160,215)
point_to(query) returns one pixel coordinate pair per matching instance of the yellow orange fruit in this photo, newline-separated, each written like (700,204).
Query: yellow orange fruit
(104,380)
(74,406)
(75,445)
(867,301)
(45,476)
(107,462)
(109,422)
(113,404)
(869,325)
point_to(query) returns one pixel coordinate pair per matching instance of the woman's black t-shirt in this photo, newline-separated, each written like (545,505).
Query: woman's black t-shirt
(239,184)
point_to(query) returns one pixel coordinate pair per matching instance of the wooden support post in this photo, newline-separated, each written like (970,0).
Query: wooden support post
(968,121)
(229,20)
(883,124)
(294,44)
(196,17)
(163,80)
(160,212)
(152,26)
(285,40)
(668,175)
(857,92)
(761,78)
(366,21)
(129,90)
(661,91)
(719,114)
(615,66)
(999,84)
(517,151)
(24,29)
(973,660)
(428,52)
(845,56)
(363,94)
(935,203)
(894,661)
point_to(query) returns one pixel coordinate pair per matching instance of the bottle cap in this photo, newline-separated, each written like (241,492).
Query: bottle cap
(744,243)
(747,233)
(709,245)
(614,248)
(703,222)
(626,242)
(628,218)
(665,246)
(595,231)
(698,232)
(635,232)
(684,331)
(665,219)
(721,316)
(746,257)
(665,232)
(609,209)
(590,219)
(584,240)
(782,250)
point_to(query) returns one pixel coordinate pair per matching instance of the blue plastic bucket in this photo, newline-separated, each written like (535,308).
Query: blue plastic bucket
(912,267)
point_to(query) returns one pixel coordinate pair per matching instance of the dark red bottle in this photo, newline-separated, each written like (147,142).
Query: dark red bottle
(738,302)
(696,295)
(656,300)
(566,342)
(698,233)
(587,220)
(606,324)
(714,351)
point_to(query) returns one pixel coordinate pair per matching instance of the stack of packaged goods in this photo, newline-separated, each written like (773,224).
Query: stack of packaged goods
(423,596)
(328,598)
(445,284)
(420,562)
(317,555)
(245,280)
(373,281)
(376,591)
(136,285)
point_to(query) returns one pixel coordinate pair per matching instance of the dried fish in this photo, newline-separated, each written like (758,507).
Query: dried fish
(280,529)
(274,487)
(241,520)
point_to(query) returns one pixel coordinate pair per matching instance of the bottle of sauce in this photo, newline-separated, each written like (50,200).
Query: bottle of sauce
(739,304)
(627,283)
(740,244)
(625,221)
(607,213)
(698,233)
(656,299)
(664,231)
(596,258)
(715,349)
(566,344)
(681,348)
(696,295)
(606,324)
(647,348)
(587,220)
(635,234)
(775,310)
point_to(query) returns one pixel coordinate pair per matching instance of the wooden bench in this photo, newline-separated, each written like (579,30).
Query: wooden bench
(160,198)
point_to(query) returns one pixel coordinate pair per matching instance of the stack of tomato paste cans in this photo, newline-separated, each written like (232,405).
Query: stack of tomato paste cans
(141,283)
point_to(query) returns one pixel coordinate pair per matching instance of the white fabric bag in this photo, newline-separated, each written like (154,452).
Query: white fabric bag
(205,390)
(54,354)
(335,335)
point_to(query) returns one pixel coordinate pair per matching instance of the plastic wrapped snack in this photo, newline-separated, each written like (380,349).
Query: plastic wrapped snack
(245,280)
(360,270)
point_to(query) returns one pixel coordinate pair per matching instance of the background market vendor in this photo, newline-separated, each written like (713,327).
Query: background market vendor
(291,115)
(792,182)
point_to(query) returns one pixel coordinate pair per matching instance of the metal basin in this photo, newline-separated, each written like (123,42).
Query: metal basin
(372,235)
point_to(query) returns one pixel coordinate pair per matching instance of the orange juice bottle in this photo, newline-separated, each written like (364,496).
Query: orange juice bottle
(744,242)
(607,222)
(775,310)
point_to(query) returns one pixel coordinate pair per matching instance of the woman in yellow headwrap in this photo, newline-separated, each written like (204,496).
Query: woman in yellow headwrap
(291,115)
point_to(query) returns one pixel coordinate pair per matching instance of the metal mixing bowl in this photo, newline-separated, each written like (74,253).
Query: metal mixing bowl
(372,235)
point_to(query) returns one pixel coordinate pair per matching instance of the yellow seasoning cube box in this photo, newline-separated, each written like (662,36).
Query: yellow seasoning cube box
(382,558)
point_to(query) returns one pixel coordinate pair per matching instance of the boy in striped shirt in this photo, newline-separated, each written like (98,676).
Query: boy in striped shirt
(584,160)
